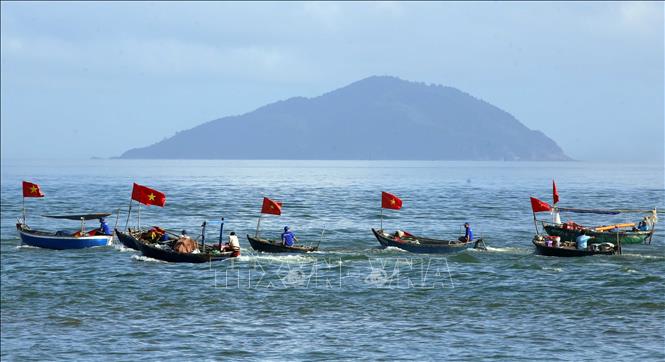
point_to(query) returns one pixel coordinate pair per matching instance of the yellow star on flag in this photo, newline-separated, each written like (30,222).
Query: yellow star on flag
(33,189)
(151,197)
(392,201)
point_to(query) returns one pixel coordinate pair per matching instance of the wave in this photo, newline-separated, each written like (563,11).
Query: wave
(145,258)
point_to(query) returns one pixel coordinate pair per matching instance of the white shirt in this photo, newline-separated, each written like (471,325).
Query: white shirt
(234,243)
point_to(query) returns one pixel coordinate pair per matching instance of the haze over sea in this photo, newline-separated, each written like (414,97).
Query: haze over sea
(352,299)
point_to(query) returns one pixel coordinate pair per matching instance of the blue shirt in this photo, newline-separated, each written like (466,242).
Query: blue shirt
(106,230)
(581,241)
(288,238)
(469,233)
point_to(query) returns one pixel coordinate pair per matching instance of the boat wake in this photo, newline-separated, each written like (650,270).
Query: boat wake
(26,247)
(508,250)
(121,248)
(146,259)
(288,258)
(392,249)
(639,256)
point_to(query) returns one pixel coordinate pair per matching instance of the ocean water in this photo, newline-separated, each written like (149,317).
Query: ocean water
(351,300)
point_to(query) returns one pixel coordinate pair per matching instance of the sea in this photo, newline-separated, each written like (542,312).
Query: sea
(352,300)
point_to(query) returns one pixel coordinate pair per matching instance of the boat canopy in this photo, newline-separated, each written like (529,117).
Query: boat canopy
(79,216)
(590,211)
(607,212)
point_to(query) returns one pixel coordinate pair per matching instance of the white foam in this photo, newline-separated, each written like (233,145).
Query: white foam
(288,258)
(145,258)
(393,249)
(511,250)
(639,256)
(121,248)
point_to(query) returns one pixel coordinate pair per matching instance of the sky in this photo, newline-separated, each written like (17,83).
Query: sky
(83,79)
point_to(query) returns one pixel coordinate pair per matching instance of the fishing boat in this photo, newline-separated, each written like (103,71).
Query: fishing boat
(606,233)
(275,246)
(164,250)
(624,233)
(61,240)
(272,207)
(417,244)
(544,246)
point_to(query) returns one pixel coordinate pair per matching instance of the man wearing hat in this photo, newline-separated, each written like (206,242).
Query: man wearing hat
(104,227)
(288,238)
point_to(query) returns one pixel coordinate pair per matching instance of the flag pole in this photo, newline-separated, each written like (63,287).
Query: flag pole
(535,224)
(23,208)
(258,224)
(129,213)
(138,220)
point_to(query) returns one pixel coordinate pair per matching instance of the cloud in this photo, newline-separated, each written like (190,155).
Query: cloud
(160,57)
(643,16)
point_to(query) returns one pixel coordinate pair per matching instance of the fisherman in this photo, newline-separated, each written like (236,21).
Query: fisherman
(233,244)
(288,238)
(104,227)
(642,225)
(582,239)
(468,235)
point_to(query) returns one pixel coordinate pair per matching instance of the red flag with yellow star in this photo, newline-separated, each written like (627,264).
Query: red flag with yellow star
(271,207)
(390,201)
(148,196)
(31,190)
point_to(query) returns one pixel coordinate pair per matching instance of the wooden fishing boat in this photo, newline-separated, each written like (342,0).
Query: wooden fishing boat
(61,240)
(416,244)
(274,246)
(164,251)
(601,234)
(568,249)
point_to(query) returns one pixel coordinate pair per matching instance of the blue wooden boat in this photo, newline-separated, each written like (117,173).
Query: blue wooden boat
(62,240)
(416,244)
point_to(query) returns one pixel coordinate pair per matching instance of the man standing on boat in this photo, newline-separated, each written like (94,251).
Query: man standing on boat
(288,238)
(468,235)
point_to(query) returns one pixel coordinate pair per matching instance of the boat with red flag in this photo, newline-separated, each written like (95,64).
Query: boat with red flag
(178,249)
(287,244)
(418,244)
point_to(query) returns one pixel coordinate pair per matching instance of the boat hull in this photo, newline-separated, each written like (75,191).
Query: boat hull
(267,246)
(626,237)
(442,247)
(566,252)
(47,240)
(127,240)
(169,255)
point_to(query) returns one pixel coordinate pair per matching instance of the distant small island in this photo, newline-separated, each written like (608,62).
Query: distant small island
(379,118)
